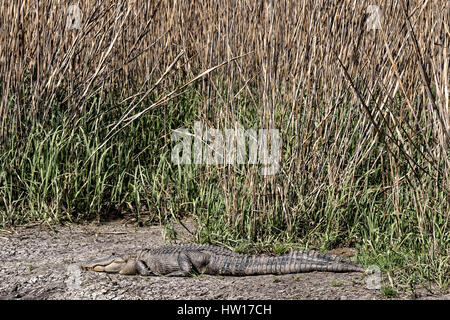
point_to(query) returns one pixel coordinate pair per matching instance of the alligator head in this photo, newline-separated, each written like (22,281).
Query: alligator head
(114,264)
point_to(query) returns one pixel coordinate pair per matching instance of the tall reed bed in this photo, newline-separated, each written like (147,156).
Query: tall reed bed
(87,108)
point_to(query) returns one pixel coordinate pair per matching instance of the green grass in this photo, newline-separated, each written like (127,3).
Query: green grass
(297,277)
(48,175)
(389,292)
(337,283)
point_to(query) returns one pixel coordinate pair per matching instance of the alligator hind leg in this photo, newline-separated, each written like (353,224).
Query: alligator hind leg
(185,265)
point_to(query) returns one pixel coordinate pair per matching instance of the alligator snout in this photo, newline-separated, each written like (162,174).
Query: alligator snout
(111,265)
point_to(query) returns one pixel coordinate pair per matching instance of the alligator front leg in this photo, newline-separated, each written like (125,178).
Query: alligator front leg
(142,268)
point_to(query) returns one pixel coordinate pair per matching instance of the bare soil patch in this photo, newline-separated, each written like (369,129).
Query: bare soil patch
(40,262)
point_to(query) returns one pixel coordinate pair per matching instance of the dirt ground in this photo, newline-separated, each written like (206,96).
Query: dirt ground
(39,262)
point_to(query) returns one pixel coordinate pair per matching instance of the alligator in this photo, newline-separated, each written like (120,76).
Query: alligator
(190,259)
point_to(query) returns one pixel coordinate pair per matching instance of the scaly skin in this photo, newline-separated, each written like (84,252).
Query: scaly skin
(184,260)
